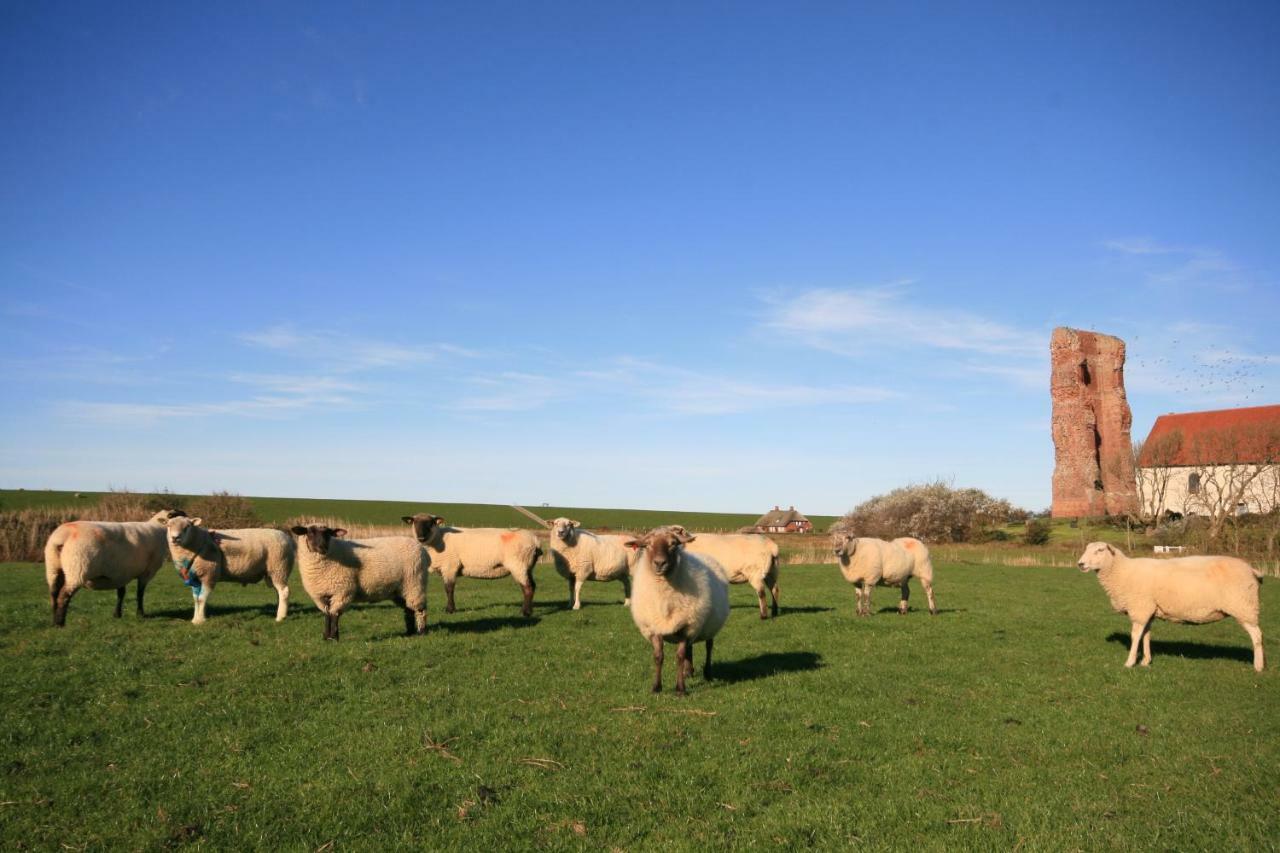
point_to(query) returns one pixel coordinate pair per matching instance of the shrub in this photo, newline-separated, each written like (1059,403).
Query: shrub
(224,510)
(934,512)
(1037,532)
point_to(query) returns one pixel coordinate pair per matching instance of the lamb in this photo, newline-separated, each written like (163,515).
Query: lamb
(1184,589)
(867,562)
(337,571)
(677,597)
(747,558)
(204,557)
(580,556)
(477,552)
(103,555)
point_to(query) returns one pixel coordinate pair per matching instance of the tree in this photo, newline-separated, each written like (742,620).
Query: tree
(1231,463)
(1153,464)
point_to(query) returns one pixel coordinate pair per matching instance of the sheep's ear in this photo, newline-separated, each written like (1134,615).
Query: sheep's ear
(634,544)
(407,519)
(575,523)
(685,538)
(340,533)
(438,519)
(1110,550)
(197,521)
(298,530)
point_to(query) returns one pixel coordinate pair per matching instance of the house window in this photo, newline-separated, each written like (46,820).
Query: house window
(1193,484)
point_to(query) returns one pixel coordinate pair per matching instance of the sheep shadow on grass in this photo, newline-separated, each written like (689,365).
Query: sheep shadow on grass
(783,610)
(925,610)
(1181,648)
(763,666)
(484,626)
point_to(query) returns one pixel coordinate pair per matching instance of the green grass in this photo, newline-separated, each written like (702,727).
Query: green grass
(279,510)
(1007,721)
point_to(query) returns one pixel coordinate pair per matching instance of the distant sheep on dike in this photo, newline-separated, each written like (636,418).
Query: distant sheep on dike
(580,555)
(104,555)
(867,562)
(245,556)
(1184,589)
(477,552)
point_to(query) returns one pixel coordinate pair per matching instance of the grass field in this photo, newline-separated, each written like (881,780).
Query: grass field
(1006,722)
(279,510)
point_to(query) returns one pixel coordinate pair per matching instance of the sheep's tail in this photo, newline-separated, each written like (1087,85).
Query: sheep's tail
(53,553)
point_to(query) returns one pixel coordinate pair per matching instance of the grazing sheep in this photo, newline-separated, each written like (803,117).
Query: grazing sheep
(1184,589)
(337,571)
(746,558)
(580,556)
(204,557)
(103,555)
(677,597)
(477,552)
(867,562)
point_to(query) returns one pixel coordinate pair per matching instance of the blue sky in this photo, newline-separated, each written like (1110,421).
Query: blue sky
(694,256)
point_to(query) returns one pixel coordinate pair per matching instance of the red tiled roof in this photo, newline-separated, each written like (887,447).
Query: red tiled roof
(1220,437)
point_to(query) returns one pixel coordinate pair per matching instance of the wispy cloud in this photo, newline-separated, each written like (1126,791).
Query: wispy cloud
(346,352)
(853,321)
(509,391)
(1181,266)
(150,414)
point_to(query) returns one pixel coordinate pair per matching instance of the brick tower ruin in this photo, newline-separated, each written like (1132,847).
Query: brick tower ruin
(1093,465)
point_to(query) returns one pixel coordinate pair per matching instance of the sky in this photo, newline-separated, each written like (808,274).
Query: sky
(706,256)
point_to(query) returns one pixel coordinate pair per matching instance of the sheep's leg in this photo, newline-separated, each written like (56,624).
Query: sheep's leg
(448,594)
(410,625)
(706,666)
(572,592)
(202,600)
(682,662)
(323,604)
(1135,635)
(527,587)
(420,620)
(59,581)
(1255,634)
(577,593)
(658,652)
(906,594)
(60,603)
(928,593)
(758,586)
(1146,644)
(626,591)
(773,592)
(142,588)
(864,599)
(282,598)
(120,602)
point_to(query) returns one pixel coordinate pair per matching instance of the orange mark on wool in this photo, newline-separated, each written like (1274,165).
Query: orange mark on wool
(909,544)
(507,537)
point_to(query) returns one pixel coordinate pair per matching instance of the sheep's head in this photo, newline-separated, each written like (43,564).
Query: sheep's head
(565,529)
(182,531)
(163,516)
(1096,556)
(318,536)
(843,544)
(662,545)
(424,525)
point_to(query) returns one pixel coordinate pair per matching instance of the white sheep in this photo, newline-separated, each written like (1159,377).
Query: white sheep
(204,557)
(1184,589)
(867,562)
(677,597)
(103,555)
(477,552)
(580,555)
(746,558)
(337,571)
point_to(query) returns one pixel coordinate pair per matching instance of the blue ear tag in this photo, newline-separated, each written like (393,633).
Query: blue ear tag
(189,577)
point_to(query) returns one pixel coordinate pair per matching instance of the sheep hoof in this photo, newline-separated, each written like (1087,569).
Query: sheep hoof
(933,611)
(575,607)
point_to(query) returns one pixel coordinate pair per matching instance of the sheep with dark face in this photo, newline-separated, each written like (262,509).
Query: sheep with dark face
(1184,589)
(867,562)
(477,552)
(677,597)
(246,556)
(580,555)
(337,571)
(104,555)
